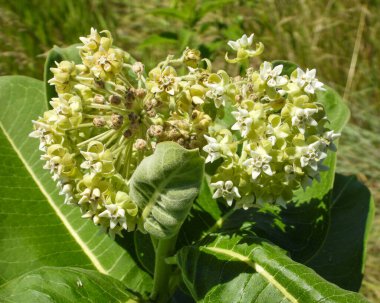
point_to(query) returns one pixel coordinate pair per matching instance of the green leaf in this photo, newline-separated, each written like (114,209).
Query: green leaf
(58,54)
(164,186)
(328,236)
(37,229)
(341,257)
(239,269)
(202,218)
(65,284)
(145,250)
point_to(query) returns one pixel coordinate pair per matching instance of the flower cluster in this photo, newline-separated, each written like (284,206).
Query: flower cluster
(266,131)
(278,140)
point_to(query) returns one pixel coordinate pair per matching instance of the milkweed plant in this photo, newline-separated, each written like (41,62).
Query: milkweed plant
(204,167)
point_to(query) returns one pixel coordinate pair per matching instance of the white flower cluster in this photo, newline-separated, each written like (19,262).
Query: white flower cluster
(278,141)
(265,131)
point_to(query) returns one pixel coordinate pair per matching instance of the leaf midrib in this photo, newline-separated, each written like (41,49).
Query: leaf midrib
(257,267)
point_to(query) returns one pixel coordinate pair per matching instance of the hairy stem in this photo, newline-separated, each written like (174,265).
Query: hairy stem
(162,271)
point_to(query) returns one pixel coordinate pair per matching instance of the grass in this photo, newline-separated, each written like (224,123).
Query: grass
(339,38)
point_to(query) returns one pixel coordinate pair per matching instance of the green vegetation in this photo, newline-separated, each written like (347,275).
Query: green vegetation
(336,37)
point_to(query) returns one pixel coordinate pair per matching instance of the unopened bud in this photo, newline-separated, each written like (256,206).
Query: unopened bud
(117,120)
(140,144)
(138,67)
(99,83)
(99,99)
(99,121)
(140,92)
(133,117)
(151,113)
(192,57)
(113,99)
(155,131)
(127,134)
(195,114)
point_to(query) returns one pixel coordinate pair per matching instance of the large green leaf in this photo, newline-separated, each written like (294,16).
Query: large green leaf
(165,185)
(65,284)
(341,257)
(239,269)
(36,228)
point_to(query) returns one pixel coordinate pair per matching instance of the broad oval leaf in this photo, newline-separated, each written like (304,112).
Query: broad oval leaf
(242,269)
(164,186)
(65,284)
(36,228)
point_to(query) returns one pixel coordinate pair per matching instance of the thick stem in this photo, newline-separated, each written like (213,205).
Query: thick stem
(162,271)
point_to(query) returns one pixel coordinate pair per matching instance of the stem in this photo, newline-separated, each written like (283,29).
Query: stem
(162,270)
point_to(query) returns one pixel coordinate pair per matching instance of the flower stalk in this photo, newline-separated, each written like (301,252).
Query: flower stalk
(162,270)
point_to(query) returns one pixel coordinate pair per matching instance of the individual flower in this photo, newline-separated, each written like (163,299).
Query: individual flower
(243,121)
(243,48)
(303,117)
(218,147)
(258,162)
(163,81)
(243,43)
(98,159)
(227,190)
(311,156)
(64,76)
(91,42)
(218,89)
(328,139)
(307,80)
(272,75)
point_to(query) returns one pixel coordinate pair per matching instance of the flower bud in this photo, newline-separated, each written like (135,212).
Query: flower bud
(140,92)
(138,68)
(113,99)
(155,131)
(99,122)
(127,134)
(192,57)
(116,121)
(140,144)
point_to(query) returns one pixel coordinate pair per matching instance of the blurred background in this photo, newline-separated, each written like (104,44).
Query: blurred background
(341,38)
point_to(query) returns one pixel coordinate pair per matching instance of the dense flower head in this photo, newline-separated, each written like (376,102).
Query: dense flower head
(266,131)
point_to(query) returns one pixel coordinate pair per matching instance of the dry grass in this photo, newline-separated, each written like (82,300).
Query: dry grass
(338,37)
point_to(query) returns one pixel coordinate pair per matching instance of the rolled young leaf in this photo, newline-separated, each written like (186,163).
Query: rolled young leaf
(164,186)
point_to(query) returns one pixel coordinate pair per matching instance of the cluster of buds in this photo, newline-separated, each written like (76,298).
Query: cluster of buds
(266,131)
